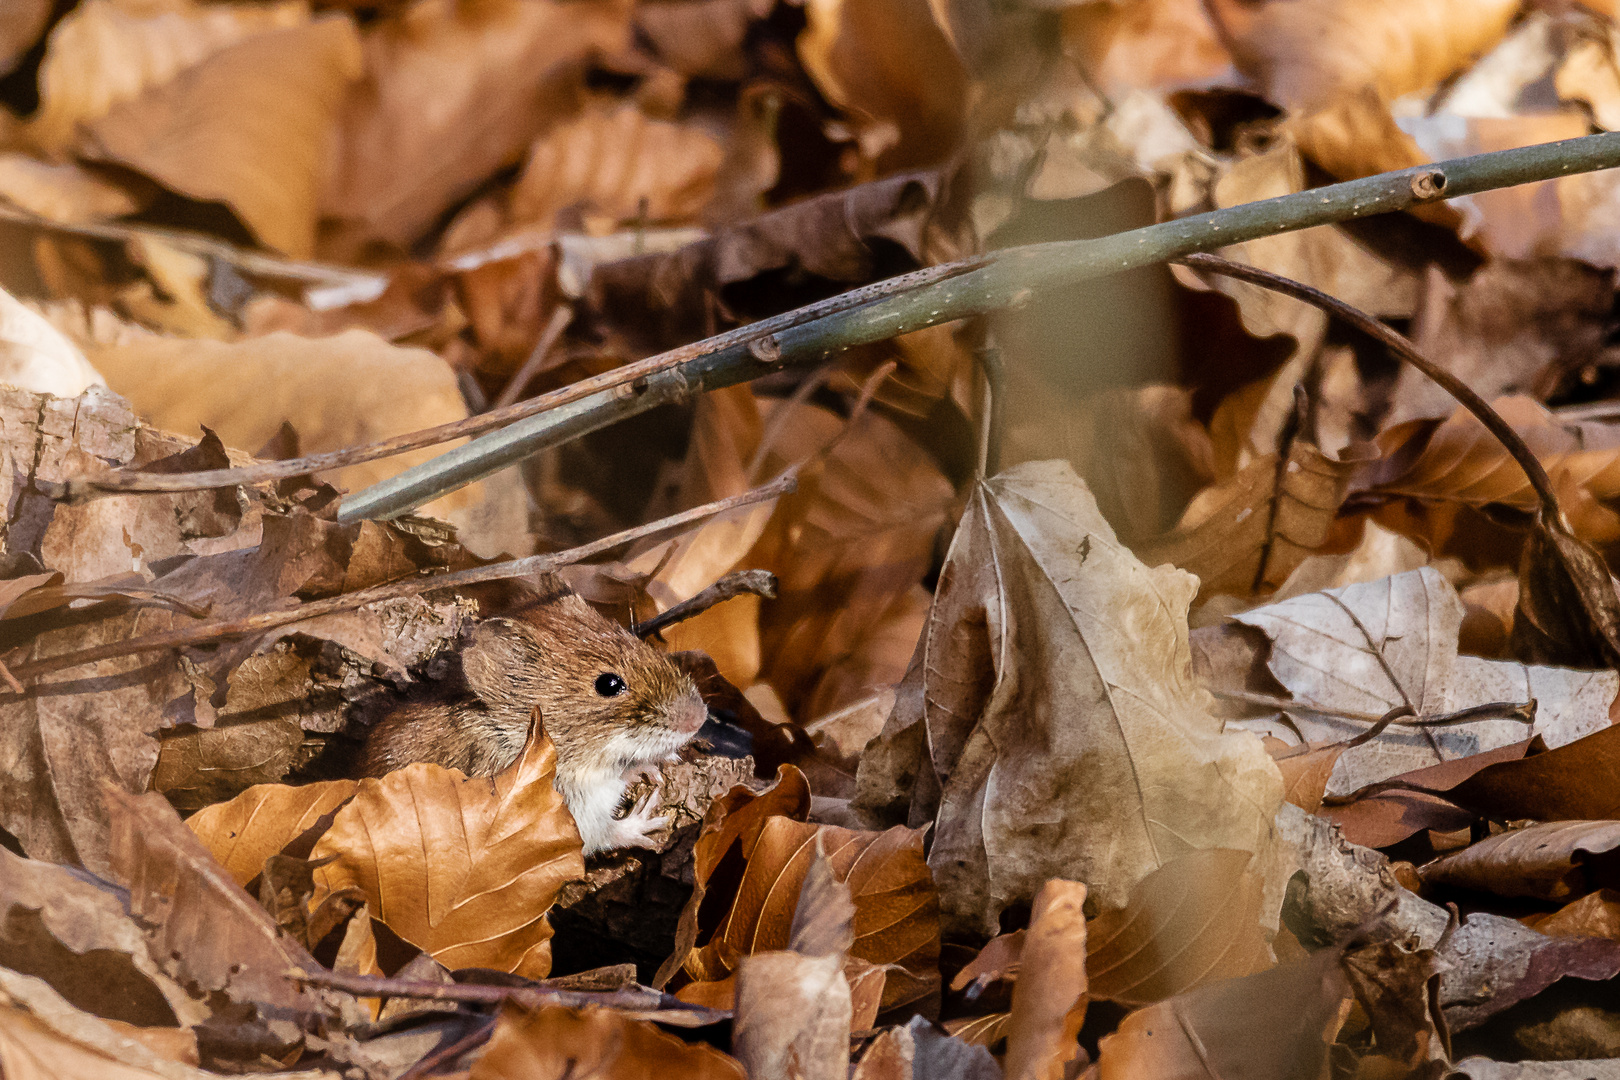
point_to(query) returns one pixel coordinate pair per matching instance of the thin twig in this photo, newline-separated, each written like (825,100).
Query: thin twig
(1005,279)
(737,583)
(633,999)
(536,361)
(226,629)
(612,383)
(1522,711)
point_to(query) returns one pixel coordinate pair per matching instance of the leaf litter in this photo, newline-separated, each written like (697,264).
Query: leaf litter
(1188,686)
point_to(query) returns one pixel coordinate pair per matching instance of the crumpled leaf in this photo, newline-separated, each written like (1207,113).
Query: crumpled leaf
(1398,988)
(249,127)
(1049,999)
(553,1042)
(74,932)
(201,926)
(465,868)
(1552,860)
(453,92)
(105,52)
(1064,730)
(1366,649)
(917,1051)
(43,1036)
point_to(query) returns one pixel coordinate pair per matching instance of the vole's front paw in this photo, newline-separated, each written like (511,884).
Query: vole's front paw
(635,829)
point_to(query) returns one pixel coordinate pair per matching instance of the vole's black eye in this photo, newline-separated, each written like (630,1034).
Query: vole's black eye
(610,685)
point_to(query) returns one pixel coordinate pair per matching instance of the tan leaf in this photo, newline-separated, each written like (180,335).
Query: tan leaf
(702,38)
(866,57)
(1196,920)
(105,52)
(620,164)
(1049,999)
(553,1043)
(67,193)
(1596,914)
(453,92)
(261,821)
(249,127)
(1248,534)
(1546,860)
(1459,461)
(1275,1025)
(42,1037)
(1307,51)
(1055,693)
(896,920)
(336,391)
(1350,655)
(464,868)
(36,357)
(1306,770)
(1162,44)
(201,925)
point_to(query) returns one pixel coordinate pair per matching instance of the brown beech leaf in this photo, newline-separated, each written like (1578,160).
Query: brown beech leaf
(249,127)
(1307,51)
(1459,461)
(794,1006)
(1193,921)
(1553,860)
(104,52)
(465,868)
(1248,534)
(454,92)
(336,391)
(262,820)
(1049,999)
(1306,770)
(896,907)
(1388,815)
(1596,914)
(620,164)
(867,57)
(200,924)
(1348,656)
(1274,1025)
(1160,44)
(553,1043)
(73,932)
(1052,705)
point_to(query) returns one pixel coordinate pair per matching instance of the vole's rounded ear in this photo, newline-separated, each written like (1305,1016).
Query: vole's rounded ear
(497,652)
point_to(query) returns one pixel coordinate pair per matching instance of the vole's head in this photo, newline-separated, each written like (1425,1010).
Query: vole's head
(606,697)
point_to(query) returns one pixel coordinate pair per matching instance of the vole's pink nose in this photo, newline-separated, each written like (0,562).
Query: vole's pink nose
(688,713)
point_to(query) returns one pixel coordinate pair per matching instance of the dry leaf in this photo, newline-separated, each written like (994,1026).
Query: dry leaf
(67,193)
(336,391)
(554,1043)
(794,1006)
(36,357)
(43,1037)
(454,92)
(701,37)
(1160,44)
(1049,999)
(250,127)
(106,52)
(1555,860)
(463,867)
(1275,1025)
(1065,729)
(1306,51)
(1196,920)
(203,928)
(1593,915)
(917,1051)
(619,164)
(867,58)
(1350,655)
(1399,989)
(896,908)
(262,820)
